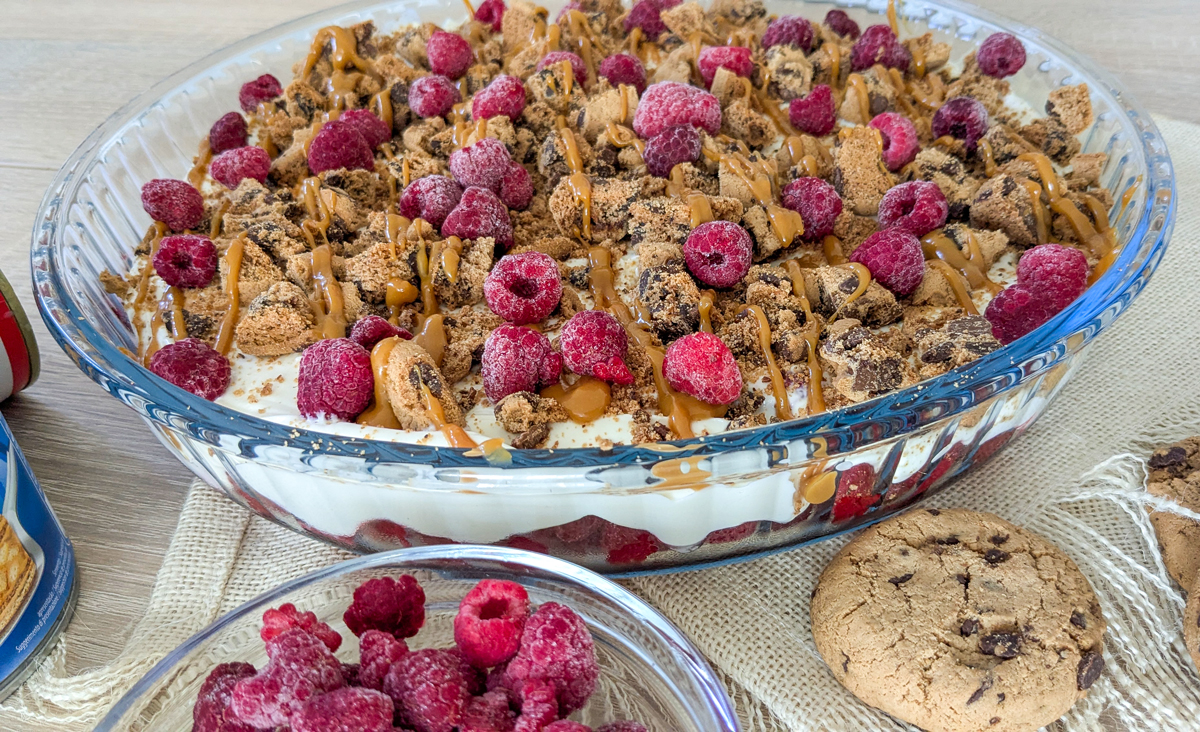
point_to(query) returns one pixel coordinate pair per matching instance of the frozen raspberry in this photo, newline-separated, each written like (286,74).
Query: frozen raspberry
(855,494)
(432,96)
(818,204)
(577,65)
(350,673)
(645,15)
(372,329)
(593,343)
(566,725)
(176,203)
(556,648)
(193,365)
(480,213)
(918,207)
(900,144)
(210,711)
(733,533)
(517,359)
(449,54)
(504,96)
(516,188)
(963,118)
(790,30)
(263,89)
(488,712)
(374,130)
(701,365)
(346,710)
(879,45)
(483,164)
(185,260)
(669,103)
(286,617)
(735,58)
(300,667)
(391,605)
(815,113)
(718,253)
(491,12)
(523,288)
(227,133)
(842,24)
(431,198)
(624,68)
(335,379)
(431,688)
(624,545)
(490,619)
(672,146)
(573,5)
(1000,55)
(538,703)
(622,727)
(1015,311)
(1057,273)
(338,145)
(378,651)
(232,166)
(895,259)
(579,531)
(299,650)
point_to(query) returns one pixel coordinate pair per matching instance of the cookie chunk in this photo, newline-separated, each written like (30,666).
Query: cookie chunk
(410,372)
(1175,474)
(1191,627)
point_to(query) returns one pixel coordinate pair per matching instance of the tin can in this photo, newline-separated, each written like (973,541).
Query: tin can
(18,349)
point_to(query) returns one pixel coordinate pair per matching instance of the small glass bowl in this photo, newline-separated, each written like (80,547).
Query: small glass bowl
(649,671)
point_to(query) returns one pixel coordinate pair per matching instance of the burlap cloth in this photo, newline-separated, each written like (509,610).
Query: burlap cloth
(1076,478)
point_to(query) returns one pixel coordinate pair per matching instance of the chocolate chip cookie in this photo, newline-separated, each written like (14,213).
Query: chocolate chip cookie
(1175,474)
(954,620)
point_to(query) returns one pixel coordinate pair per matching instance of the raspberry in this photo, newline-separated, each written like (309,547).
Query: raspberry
(627,546)
(1000,55)
(338,145)
(579,531)
(577,65)
(490,619)
(379,650)
(516,187)
(895,259)
(192,365)
(918,207)
(431,688)
(489,712)
(962,118)
(842,24)
(645,14)
(393,606)
(701,365)
(855,494)
(335,379)
(900,144)
(504,96)
(624,68)
(491,12)
(879,45)
(733,533)
(374,130)
(815,113)
(185,260)
(174,202)
(300,667)
(790,30)
(227,133)
(1015,311)
(278,620)
(566,725)
(622,727)
(432,96)
(735,58)
(449,54)
(593,343)
(669,103)
(483,164)
(672,146)
(345,710)
(478,214)
(1055,272)
(263,89)
(210,711)
(517,359)
(350,673)
(539,706)
(718,253)
(232,166)
(818,204)
(296,649)
(556,648)
(431,198)
(523,288)
(369,330)
(573,5)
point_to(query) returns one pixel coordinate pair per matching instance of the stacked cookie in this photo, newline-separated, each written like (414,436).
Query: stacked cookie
(1175,475)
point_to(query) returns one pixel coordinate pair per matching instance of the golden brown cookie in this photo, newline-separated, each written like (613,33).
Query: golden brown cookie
(1191,627)
(1175,474)
(17,572)
(954,620)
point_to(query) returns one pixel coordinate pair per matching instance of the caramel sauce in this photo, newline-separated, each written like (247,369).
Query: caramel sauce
(697,202)
(233,266)
(1127,196)
(406,171)
(333,325)
(679,472)
(455,435)
(1039,210)
(858,87)
(470,9)
(171,305)
(947,141)
(989,157)
(343,54)
(396,226)
(621,136)
(1098,240)
(578,24)
(706,304)
(832,246)
(891,16)
(380,413)
(143,286)
(218,219)
(936,245)
(568,72)
(816,391)
(957,284)
(757,177)
(585,401)
(578,183)
(771,107)
(381,105)
(432,337)
(451,253)
(1099,215)
(835,62)
(178,322)
(399,293)
(863,275)
(918,57)
(625,91)
(783,410)
(199,169)
(817,489)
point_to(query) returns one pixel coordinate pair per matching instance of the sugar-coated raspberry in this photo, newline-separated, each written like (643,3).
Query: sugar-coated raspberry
(483,164)
(300,667)
(900,143)
(350,673)
(816,113)
(334,380)
(431,198)
(623,545)
(374,130)
(431,688)
(855,493)
(345,710)
(669,103)
(623,726)
(735,58)
(963,118)
(701,365)
(193,365)
(480,213)
(339,145)
(185,260)
(566,725)
(491,12)
(516,188)
(538,704)
(1001,55)
(491,617)
(378,651)
(233,166)
(176,203)
(432,96)
(593,343)
(895,259)
(395,606)
(790,30)
(1057,273)
(299,650)
(263,89)
(624,68)
(842,24)
(227,133)
(515,359)
(879,45)
(556,647)
(733,533)
(449,54)
(672,146)
(718,253)
(1015,311)
(210,713)
(503,96)
(372,329)
(918,207)
(523,288)
(285,617)
(557,57)
(818,204)
(488,712)
(645,14)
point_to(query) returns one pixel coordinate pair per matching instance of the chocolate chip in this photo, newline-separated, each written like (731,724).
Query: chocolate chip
(963,579)
(948,541)
(996,556)
(934,512)
(845,663)
(1090,667)
(1000,697)
(1173,456)
(904,552)
(998,539)
(969,627)
(987,684)
(897,581)
(1001,645)
(994,721)
(1078,620)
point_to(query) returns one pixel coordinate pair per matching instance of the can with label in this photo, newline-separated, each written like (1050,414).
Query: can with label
(18,349)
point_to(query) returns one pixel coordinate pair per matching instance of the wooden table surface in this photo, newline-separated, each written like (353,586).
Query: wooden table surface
(73,62)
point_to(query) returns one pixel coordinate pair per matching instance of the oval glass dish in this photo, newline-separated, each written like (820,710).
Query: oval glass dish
(631,508)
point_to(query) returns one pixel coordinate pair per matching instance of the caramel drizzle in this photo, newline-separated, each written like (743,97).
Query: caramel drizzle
(381,105)
(832,247)
(891,16)
(332,311)
(172,304)
(973,266)
(783,409)
(380,413)
(989,157)
(863,275)
(458,116)
(432,333)
(584,401)
(625,90)
(200,164)
(757,177)
(233,268)
(812,335)
(343,53)
(1039,209)
(218,219)
(857,86)
(578,24)
(835,62)
(455,435)
(397,294)
(1098,241)
(706,305)
(697,202)
(578,183)
(621,136)
(957,284)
